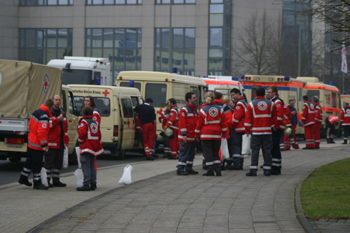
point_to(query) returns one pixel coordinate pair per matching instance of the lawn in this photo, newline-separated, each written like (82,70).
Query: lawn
(326,192)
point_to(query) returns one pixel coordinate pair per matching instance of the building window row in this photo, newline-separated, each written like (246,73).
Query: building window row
(121,46)
(183,50)
(42,45)
(176,1)
(112,2)
(45,2)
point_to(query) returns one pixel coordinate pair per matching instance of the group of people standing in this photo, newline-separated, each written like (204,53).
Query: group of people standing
(48,137)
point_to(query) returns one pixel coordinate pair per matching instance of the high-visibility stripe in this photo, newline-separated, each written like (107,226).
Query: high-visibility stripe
(210,136)
(52,144)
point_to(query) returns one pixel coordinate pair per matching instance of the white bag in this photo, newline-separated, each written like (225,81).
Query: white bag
(246,150)
(77,151)
(224,149)
(65,158)
(44,177)
(80,177)
(126,177)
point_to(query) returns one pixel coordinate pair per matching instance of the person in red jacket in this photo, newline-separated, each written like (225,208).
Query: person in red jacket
(278,128)
(173,123)
(238,128)
(90,102)
(288,138)
(39,127)
(345,120)
(308,121)
(318,122)
(258,120)
(331,122)
(188,117)
(163,118)
(89,138)
(210,128)
(58,140)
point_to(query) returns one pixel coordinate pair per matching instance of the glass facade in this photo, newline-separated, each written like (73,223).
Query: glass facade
(113,2)
(220,17)
(183,50)
(121,46)
(45,2)
(297,34)
(176,1)
(42,45)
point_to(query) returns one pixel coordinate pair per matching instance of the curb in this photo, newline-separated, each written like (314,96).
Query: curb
(300,212)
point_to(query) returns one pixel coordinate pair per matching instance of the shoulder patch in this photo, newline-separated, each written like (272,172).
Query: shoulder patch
(237,107)
(183,114)
(44,126)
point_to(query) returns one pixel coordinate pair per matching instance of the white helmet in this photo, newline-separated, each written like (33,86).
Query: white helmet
(288,131)
(169,133)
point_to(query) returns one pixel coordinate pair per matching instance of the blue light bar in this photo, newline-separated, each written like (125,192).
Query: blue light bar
(344,92)
(235,78)
(206,76)
(330,82)
(131,83)
(174,69)
(286,78)
(242,77)
(98,81)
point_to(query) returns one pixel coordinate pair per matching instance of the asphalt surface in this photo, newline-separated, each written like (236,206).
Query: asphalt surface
(160,201)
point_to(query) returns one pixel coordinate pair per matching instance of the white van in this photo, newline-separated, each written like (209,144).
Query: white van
(117,115)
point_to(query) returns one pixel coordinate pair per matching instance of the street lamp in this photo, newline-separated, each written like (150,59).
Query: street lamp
(170,39)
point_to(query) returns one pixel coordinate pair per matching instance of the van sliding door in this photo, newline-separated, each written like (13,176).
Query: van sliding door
(128,123)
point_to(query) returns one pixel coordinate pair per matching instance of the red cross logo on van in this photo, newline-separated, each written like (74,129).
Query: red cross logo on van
(105,92)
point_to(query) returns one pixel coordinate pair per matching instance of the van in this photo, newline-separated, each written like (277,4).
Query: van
(161,86)
(117,115)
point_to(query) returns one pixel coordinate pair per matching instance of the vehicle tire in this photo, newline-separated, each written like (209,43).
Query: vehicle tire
(72,158)
(15,159)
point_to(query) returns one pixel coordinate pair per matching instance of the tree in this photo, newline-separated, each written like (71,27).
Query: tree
(252,53)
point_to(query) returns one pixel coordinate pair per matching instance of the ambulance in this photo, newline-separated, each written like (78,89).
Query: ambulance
(161,86)
(288,88)
(117,115)
(223,84)
(329,98)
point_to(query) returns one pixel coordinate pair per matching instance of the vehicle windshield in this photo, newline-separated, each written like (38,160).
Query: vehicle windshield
(77,76)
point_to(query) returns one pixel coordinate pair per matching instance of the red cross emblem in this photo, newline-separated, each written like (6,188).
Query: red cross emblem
(213,112)
(105,92)
(46,85)
(160,111)
(262,106)
(128,123)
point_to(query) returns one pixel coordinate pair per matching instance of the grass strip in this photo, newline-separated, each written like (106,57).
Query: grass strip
(326,192)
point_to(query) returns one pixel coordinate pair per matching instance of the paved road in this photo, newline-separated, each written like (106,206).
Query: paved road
(160,201)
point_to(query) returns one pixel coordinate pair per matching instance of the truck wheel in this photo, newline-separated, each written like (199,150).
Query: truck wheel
(14,157)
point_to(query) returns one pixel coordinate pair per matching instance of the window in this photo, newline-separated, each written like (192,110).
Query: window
(63,100)
(312,93)
(195,90)
(127,107)
(113,2)
(183,50)
(121,46)
(45,2)
(71,103)
(135,101)
(79,102)
(127,84)
(334,99)
(176,1)
(42,45)
(158,93)
(103,105)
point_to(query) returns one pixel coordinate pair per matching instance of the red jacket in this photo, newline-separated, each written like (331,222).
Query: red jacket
(345,116)
(318,114)
(39,127)
(163,117)
(89,136)
(333,119)
(259,116)
(55,130)
(96,116)
(138,124)
(287,116)
(308,113)
(278,119)
(173,121)
(239,115)
(210,125)
(188,120)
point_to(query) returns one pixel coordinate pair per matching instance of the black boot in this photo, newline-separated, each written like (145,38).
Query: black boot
(84,188)
(331,141)
(58,183)
(40,187)
(229,165)
(223,168)
(48,182)
(209,173)
(251,173)
(345,141)
(93,187)
(24,181)
(328,141)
